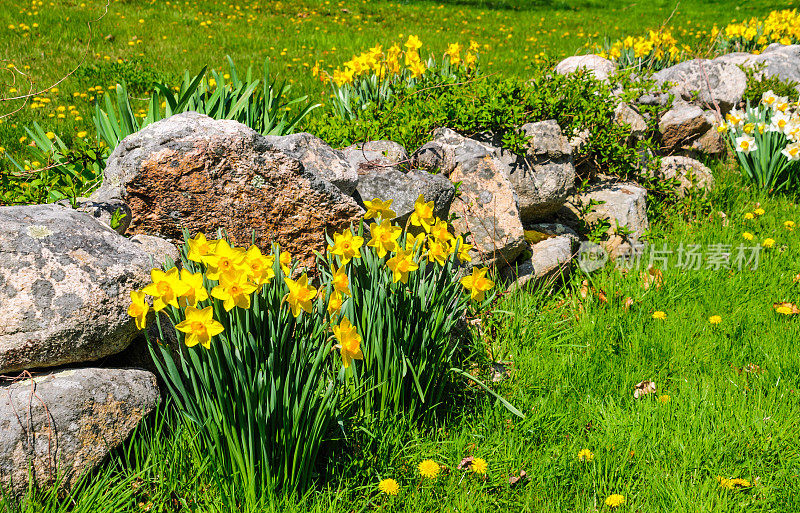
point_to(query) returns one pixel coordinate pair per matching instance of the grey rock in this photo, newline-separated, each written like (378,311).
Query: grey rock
(555,230)
(688,171)
(317,157)
(711,81)
(487,207)
(781,61)
(65,282)
(387,183)
(371,155)
(711,142)
(105,211)
(549,259)
(67,422)
(682,124)
(626,115)
(600,67)
(161,250)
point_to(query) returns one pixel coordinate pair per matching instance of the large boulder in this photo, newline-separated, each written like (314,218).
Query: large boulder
(192,172)
(66,422)
(781,61)
(627,116)
(689,173)
(65,282)
(367,156)
(317,157)
(600,67)
(708,81)
(487,207)
(682,124)
(711,142)
(403,189)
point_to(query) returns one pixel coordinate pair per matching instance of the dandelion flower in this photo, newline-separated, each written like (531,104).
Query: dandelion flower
(784,309)
(585,455)
(715,319)
(749,215)
(615,501)
(789,225)
(389,486)
(759,211)
(659,315)
(747,236)
(479,465)
(428,468)
(664,398)
(768,243)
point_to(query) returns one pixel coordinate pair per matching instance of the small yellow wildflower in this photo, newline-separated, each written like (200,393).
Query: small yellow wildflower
(199,326)
(732,484)
(659,315)
(789,225)
(429,469)
(715,319)
(82,134)
(389,486)
(747,236)
(585,455)
(759,211)
(749,215)
(768,243)
(784,309)
(479,465)
(664,398)
(615,501)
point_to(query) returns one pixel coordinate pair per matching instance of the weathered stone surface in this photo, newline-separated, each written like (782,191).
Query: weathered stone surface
(555,230)
(487,207)
(65,282)
(371,155)
(104,211)
(711,142)
(549,259)
(447,150)
(682,124)
(622,204)
(68,421)
(782,61)
(712,81)
(190,171)
(600,67)
(156,247)
(387,183)
(317,157)
(625,115)
(544,179)
(688,171)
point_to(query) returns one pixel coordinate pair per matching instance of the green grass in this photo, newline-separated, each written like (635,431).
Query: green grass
(733,388)
(157,41)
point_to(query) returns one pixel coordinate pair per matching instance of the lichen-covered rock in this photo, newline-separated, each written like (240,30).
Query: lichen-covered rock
(600,67)
(625,115)
(777,60)
(711,142)
(688,171)
(621,204)
(371,155)
(682,124)
(548,259)
(67,422)
(487,207)
(65,282)
(161,250)
(190,171)
(317,157)
(710,81)
(388,183)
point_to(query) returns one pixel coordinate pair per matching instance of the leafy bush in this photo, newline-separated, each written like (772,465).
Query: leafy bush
(578,102)
(766,139)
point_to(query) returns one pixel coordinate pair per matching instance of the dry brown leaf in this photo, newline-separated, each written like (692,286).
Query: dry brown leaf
(786,308)
(653,276)
(466,463)
(644,388)
(797,277)
(628,303)
(521,478)
(584,288)
(602,296)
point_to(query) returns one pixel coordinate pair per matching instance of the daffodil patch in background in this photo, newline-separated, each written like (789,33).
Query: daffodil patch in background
(370,336)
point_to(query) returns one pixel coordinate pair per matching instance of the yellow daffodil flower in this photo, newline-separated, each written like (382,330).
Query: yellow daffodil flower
(138,308)
(199,326)
(346,246)
(199,248)
(477,284)
(440,230)
(423,214)
(166,288)
(196,292)
(225,259)
(401,264)
(384,237)
(438,252)
(233,290)
(340,282)
(335,303)
(300,294)
(463,249)
(349,344)
(258,266)
(379,209)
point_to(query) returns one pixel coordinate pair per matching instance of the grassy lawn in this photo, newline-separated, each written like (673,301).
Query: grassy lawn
(145,41)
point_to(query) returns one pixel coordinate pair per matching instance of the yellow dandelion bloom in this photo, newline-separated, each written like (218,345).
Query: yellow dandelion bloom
(479,465)
(585,455)
(759,211)
(747,236)
(768,243)
(659,315)
(789,225)
(389,486)
(664,398)
(749,215)
(428,468)
(715,319)
(615,501)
